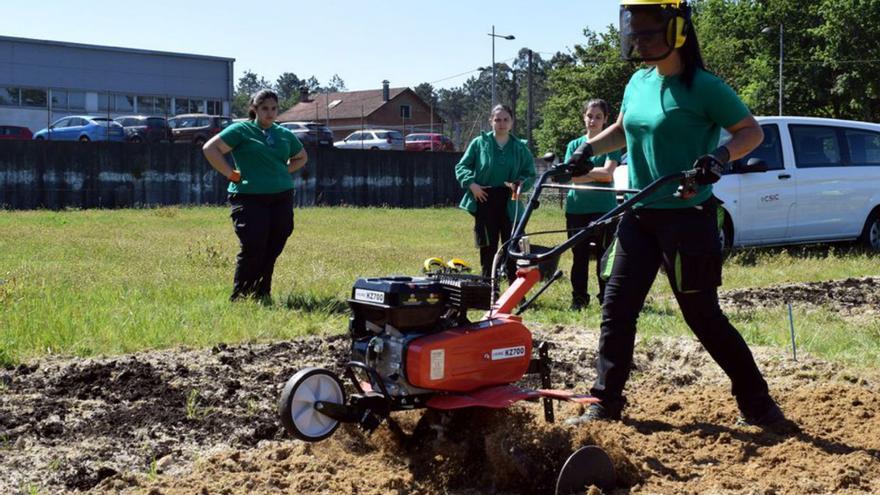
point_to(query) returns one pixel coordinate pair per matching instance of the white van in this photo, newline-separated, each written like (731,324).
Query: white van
(822,183)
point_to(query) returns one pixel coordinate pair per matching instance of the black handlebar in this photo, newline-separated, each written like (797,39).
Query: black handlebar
(534,203)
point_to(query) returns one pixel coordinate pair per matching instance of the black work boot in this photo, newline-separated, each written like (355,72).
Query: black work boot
(770,418)
(595,412)
(772,414)
(578,303)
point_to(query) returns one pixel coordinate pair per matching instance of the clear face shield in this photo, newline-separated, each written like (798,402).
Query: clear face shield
(647,33)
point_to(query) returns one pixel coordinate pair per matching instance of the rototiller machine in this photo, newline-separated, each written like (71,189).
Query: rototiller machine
(412,345)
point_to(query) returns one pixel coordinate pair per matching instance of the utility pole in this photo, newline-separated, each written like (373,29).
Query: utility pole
(493,35)
(781,27)
(513,97)
(530,113)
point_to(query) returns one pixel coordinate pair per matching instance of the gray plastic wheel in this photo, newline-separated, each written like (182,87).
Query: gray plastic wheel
(297,403)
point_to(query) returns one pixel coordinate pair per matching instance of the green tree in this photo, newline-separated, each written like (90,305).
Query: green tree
(540,70)
(740,43)
(248,84)
(287,85)
(312,84)
(597,71)
(335,84)
(831,56)
(851,53)
(426,93)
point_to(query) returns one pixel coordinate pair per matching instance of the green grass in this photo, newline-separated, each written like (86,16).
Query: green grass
(101,282)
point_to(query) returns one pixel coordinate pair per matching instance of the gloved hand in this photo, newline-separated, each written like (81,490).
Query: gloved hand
(561,178)
(579,163)
(710,167)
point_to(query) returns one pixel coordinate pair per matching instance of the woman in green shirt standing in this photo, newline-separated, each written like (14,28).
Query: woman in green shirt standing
(490,170)
(670,120)
(582,207)
(260,190)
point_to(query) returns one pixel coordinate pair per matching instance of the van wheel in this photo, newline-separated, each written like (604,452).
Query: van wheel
(870,238)
(84,139)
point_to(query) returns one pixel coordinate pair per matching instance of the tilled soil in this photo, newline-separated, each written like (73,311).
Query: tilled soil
(205,421)
(846,296)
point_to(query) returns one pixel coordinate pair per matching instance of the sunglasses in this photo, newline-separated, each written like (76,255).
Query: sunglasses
(268,135)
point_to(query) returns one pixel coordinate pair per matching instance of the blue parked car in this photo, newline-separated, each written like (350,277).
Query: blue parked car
(83,128)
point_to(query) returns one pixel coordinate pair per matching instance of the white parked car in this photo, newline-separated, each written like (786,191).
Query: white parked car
(822,183)
(372,139)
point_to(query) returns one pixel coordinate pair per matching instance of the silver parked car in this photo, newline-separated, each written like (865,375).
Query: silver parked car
(372,139)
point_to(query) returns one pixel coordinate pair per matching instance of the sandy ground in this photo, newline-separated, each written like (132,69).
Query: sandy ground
(205,421)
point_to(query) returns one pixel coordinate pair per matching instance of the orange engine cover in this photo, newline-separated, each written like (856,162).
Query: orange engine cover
(462,359)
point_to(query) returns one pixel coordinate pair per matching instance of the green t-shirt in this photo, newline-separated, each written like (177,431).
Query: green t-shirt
(261,156)
(490,165)
(669,126)
(580,202)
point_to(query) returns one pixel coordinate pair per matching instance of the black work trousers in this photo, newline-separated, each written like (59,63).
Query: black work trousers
(491,224)
(594,244)
(686,243)
(262,222)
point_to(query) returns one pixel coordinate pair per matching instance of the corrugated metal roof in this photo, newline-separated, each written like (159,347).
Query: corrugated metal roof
(111,48)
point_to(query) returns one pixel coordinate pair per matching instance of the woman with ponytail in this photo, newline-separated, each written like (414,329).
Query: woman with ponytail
(260,191)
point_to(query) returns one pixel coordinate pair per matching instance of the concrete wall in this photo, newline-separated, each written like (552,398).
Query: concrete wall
(119,175)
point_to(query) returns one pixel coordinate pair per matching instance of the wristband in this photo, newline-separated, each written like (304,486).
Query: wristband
(722,154)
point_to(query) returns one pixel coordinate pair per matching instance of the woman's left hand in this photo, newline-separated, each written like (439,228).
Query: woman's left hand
(297,161)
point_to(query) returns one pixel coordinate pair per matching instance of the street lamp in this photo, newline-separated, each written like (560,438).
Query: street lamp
(781,55)
(493,35)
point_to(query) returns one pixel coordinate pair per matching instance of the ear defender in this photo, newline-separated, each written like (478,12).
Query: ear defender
(677,29)
(680,36)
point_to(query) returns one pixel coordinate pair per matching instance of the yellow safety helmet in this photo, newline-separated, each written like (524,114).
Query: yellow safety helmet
(651,29)
(458,265)
(433,265)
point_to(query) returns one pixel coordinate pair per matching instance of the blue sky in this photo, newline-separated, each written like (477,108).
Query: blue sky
(364,42)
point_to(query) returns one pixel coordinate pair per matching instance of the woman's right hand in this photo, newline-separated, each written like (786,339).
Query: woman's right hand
(478,192)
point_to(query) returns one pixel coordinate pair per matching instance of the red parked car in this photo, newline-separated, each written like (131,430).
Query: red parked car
(428,142)
(15,132)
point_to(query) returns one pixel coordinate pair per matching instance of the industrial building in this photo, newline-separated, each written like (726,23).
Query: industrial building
(42,81)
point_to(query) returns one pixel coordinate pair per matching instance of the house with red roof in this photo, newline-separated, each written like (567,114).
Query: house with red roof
(345,112)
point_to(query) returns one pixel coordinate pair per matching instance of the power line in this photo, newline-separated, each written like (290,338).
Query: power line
(453,77)
(478,69)
(828,62)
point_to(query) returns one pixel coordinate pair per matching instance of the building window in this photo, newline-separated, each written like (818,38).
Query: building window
(215,107)
(152,105)
(59,99)
(181,105)
(146,104)
(103,99)
(76,100)
(196,106)
(9,96)
(405,112)
(34,98)
(124,103)
(162,106)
